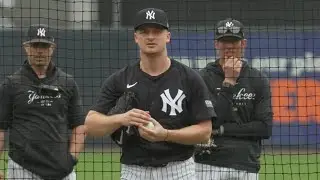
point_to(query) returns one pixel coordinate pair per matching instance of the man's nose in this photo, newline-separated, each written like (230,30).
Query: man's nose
(150,35)
(39,51)
(228,46)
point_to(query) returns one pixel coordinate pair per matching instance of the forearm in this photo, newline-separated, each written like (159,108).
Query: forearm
(2,139)
(223,108)
(260,129)
(191,135)
(98,124)
(77,140)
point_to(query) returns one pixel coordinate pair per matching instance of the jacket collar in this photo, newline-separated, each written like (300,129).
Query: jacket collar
(216,67)
(28,71)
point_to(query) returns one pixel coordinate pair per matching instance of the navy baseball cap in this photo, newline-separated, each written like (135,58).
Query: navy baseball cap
(229,29)
(39,33)
(151,16)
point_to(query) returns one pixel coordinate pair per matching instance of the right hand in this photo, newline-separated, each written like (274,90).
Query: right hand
(206,148)
(232,67)
(155,134)
(1,175)
(135,117)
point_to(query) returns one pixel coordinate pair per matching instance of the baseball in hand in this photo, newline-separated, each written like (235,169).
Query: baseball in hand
(150,125)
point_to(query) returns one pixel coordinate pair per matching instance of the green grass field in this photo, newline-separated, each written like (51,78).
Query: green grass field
(105,165)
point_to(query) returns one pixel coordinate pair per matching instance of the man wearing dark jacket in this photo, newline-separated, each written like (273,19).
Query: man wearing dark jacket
(40,105)
(242,100)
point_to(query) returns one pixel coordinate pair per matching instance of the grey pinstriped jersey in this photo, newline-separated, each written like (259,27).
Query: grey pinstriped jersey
(180,170)
(15,171)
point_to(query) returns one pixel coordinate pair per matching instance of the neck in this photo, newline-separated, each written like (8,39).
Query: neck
(221,61)
(154,65)
(40,70)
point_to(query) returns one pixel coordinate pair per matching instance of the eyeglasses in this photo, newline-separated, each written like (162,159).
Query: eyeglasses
(233,29)
(40,45)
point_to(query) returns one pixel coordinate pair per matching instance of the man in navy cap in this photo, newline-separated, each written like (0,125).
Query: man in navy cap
(171,114)
(39,105)
(242,100)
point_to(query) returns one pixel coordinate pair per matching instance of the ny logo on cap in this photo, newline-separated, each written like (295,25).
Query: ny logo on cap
(229,24)
(41,32)
(150,15)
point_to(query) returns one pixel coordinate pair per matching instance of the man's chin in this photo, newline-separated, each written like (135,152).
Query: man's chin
(40,63)
(228,55)
(152,52)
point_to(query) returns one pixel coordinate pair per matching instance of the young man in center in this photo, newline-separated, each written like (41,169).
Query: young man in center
(169,94)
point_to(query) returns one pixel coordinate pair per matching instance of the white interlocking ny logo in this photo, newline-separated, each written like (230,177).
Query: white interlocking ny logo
(150,15)
(229,24)
(175,104)
(41,32)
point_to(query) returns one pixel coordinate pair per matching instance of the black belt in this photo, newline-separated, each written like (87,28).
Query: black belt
(151,165)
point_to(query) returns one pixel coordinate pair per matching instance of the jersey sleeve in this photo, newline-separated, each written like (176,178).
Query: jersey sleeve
(6,104)
(107,96)
(201,104)
(75,111)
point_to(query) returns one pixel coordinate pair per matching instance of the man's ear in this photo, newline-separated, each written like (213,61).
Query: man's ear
(26,48)
(244,43)
(216,44)
(135,37)
(53,46)
(168,37)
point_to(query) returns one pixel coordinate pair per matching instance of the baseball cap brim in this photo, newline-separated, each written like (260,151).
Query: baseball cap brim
(229,37)
(151,24)
(39,41)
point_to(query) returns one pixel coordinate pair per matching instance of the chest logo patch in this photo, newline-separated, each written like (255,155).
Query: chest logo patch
(242,97)
(174,103)
(43,100)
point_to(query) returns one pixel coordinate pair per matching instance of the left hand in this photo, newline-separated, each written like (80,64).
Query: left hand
(74,159)
(232,68)
(206,148)
(2,176)
(155,134)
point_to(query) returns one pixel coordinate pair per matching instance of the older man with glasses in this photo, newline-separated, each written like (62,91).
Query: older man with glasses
(242,100)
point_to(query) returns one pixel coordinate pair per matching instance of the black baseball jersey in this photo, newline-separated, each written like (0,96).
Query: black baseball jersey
(244,111)
(177,98)
(39,114)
